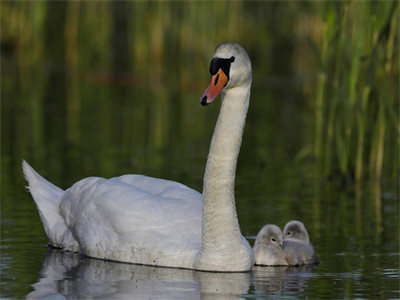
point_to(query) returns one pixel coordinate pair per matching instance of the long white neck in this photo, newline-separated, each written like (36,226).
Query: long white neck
(220,228)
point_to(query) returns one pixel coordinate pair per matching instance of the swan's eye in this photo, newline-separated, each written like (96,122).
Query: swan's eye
(232,59)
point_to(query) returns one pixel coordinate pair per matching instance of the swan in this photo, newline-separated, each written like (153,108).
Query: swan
(143,220)
(268,247)
(296,230)
(297,242)
(273,248)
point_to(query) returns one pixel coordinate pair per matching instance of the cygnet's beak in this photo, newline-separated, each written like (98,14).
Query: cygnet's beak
(282,244)
(218,82)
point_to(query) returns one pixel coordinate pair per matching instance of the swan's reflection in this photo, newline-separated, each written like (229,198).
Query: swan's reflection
(69,275)
(73,276)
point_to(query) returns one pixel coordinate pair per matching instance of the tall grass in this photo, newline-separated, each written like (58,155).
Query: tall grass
(356,108)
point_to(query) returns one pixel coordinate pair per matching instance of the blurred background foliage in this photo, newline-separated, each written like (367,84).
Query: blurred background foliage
(112,87)
(342,56)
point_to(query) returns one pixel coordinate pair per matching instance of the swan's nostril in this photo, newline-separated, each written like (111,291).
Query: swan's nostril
(204,101)
(216,79)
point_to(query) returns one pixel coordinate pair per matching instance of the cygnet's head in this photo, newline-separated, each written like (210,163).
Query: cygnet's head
(230,67)
(270,235)
(296,230)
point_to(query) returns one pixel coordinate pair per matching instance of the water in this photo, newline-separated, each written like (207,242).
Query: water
(112,98)
(359,256)
(353,265)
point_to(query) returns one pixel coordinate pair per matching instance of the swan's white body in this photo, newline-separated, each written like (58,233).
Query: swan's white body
(131,218)
(138,219)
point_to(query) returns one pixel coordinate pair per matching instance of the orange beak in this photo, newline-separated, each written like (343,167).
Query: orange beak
(218,82)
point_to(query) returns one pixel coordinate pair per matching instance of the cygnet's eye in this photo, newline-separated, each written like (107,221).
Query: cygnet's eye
(273,240)
(288,233)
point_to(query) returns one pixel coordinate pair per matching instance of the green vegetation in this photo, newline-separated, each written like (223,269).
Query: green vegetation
(344,53)
(357,89)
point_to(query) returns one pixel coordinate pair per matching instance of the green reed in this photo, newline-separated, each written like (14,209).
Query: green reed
(359,102)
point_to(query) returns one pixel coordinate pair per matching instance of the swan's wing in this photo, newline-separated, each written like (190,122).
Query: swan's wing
(122,221)
(159,187)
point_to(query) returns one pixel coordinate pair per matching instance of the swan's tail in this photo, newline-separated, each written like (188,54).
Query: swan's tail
(47,197)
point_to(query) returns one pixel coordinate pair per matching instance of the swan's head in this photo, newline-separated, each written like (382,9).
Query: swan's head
(230,67)
(296,230)
(270,235)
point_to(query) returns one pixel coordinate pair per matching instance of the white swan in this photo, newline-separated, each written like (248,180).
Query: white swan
(138,219)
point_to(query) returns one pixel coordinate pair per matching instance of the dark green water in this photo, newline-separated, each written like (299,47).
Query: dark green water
(82,97)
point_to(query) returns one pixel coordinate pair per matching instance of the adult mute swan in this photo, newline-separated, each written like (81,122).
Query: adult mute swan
(144,220)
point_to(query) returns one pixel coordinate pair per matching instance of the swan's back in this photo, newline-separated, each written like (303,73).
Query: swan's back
(134,218)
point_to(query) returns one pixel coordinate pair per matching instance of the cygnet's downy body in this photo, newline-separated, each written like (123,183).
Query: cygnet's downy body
(297,244)
(268,248)
(290,248)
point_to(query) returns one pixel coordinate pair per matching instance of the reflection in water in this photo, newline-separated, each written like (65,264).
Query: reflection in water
(66,274)
(274,281)
(71,275)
